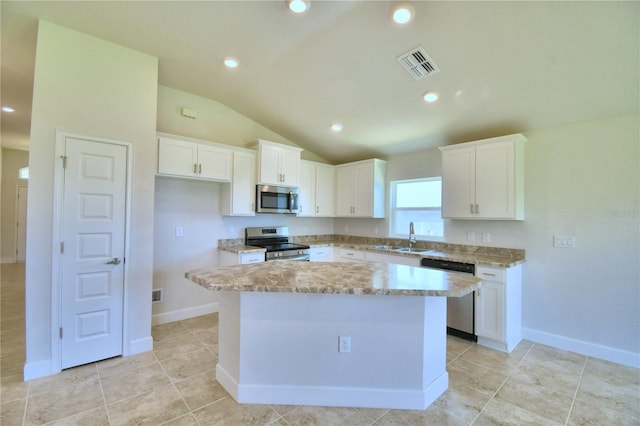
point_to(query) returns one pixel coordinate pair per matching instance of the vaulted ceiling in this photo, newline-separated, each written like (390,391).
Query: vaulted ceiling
(505,67)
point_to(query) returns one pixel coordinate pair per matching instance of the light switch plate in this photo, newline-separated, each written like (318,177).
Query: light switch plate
(564,241)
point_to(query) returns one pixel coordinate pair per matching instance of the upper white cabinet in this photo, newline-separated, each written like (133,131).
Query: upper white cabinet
(194,159)
(238,198)
(360,189)
(278,164)
(484,179)
(317,189)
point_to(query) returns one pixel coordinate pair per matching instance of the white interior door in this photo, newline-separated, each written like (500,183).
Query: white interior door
(92,251)
(21,226)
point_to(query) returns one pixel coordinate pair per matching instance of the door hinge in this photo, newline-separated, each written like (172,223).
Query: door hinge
(61,332)
(64,161)
(61,246)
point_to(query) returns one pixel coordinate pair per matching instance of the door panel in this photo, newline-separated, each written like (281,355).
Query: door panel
(93,234)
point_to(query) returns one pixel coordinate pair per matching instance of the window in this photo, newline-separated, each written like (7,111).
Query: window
(418,201)
(23,173)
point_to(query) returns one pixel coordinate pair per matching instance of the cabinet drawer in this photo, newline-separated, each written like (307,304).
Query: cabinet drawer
(354,255)
(252,258)
(490,274)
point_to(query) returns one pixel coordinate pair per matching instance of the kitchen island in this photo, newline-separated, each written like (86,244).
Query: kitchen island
(333,333)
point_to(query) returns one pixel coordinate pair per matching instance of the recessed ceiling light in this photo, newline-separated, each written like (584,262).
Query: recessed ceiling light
(403,13)
(7,109)
(430,97)
(231,62)
(298,6)
(336,127)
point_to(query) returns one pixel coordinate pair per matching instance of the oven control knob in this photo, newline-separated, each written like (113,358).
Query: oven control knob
(300,251)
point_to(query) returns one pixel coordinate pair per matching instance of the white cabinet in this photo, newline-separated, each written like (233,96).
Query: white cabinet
(278,164)
(226,258)
(360,189)
(238,197)
(499,307)
(317,185)
(349,255)
(484,179)
(321,254)
(189,158)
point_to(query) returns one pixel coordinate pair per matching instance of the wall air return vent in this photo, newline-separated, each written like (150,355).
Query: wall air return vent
(418,63)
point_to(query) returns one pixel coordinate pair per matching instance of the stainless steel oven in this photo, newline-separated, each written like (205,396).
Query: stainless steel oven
(275,240)
(277,199)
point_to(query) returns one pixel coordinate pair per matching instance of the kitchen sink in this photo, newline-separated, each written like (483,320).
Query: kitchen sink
(401,249)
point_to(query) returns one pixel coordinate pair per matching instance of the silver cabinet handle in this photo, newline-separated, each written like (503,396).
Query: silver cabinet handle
(195,168)
(471,208)
(200,168)
(114,261)
(477,209)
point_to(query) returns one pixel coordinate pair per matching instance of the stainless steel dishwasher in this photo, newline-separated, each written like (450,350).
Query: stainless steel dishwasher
(460,310)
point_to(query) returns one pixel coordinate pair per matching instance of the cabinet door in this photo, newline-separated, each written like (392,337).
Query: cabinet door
(458,182)
(177,158)
(307,202)
(344,191)
(321,254)
(290,166)
(270,165)
(363,190)
(495,180)
(243,186)
(490,311)
(325,190)
(214,163)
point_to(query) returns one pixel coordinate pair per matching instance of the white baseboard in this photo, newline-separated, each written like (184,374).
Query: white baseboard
(183,314)
(34,370)
(594,350)
(139,345)
(334,396)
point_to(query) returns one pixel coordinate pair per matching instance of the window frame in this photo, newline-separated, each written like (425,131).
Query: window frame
(393,209)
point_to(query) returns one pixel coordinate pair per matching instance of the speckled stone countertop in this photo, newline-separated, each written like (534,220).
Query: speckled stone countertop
(358,278)
(480,255)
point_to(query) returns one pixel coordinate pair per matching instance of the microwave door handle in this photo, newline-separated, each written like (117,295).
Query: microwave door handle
(293,202)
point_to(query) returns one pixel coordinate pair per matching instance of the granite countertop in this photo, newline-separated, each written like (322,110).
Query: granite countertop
(336,278)
(479,255)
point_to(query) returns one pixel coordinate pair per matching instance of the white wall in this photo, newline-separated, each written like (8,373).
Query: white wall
(581,180)
(12,160)
(88,86)
(194,206)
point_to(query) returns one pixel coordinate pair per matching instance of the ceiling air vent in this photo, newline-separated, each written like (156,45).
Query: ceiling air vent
(418,63)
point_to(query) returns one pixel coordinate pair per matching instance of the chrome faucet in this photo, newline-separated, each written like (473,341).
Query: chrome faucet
(412,235)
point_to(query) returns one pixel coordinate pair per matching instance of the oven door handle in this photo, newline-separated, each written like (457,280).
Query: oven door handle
(301,257)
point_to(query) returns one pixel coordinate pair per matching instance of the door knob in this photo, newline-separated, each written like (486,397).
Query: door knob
(114,261)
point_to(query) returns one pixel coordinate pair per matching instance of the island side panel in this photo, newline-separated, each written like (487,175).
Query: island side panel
(228,367)
(289,352)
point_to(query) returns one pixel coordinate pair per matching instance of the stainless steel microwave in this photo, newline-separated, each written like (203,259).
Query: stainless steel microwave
(277,199)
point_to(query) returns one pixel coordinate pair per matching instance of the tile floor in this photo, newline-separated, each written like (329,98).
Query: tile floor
(535,384)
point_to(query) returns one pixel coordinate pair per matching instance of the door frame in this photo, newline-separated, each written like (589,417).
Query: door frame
(56,259)
(17,220)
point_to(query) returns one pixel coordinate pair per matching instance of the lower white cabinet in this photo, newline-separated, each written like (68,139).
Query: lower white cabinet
(226,258)
(321,254)
(499,307)
(349,255)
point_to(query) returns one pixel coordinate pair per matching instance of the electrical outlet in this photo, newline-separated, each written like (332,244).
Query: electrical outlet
(471,236)
(486,237)
(344,343)
(564,241)
(156,296)
(179,231)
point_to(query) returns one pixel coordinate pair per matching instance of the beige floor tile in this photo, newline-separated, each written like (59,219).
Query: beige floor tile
(614,374)
(182,344)
(536,399)
(541,375)
(134,382)
(456,347)
(600,393)
(499,412)
(283,409)
(190,364)
(434,415)
(13,387)
(72,377)
(326,416)
(228,412)
(464,375)
(64,401)
(208,337)
(186,420)
(201,323)
(498,361)
(200,390)
(464,404)
(167,331)
(12,412)
(590,413)
(96,417)
(123,364)
(373,413)
(155,407)
(556,359)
